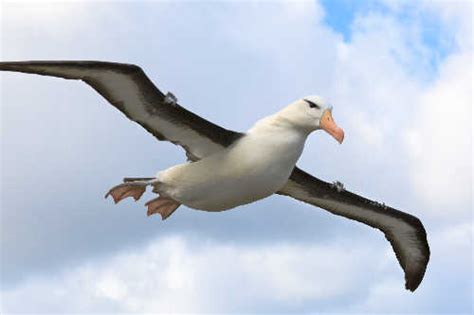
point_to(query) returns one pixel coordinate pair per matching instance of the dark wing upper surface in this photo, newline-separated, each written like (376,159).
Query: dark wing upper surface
(405,232)
(128,89)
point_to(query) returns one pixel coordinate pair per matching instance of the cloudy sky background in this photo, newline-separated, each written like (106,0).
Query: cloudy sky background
(399,74)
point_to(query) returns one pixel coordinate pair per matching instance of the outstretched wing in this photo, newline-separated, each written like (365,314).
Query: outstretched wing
(405,232)
(129,90)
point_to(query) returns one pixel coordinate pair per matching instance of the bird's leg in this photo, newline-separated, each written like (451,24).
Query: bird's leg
(165,206)
(134,188)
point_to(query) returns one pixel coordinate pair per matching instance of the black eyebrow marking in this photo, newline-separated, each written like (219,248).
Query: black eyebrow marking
(312,105)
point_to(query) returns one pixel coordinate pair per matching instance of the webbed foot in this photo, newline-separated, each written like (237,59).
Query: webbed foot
(122,191)
(163,205)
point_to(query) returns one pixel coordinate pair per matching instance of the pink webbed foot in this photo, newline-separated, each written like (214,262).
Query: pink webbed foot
(162,205)
(125,190)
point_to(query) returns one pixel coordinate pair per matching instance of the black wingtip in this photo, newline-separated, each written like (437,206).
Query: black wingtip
(412,284)
(414,275)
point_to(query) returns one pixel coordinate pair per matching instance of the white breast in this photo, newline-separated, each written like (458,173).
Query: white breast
(257,166)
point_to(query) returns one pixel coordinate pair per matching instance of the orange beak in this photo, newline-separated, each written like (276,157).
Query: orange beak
(329,125)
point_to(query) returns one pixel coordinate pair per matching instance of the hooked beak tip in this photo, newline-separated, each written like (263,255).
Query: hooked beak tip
(339,136)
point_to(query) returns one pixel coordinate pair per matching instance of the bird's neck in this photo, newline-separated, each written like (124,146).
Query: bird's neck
(278,124)
(279,133)
(277,140)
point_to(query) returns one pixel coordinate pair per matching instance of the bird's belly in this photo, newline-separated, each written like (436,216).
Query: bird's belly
(227,193)
(254,169)
(218,189)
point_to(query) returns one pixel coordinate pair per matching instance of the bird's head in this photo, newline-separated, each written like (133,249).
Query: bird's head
(312,113)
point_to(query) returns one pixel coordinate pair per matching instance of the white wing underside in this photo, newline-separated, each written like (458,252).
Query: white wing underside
(128,89)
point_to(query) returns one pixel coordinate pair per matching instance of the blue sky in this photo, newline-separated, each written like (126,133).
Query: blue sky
(340,15)
(396,75)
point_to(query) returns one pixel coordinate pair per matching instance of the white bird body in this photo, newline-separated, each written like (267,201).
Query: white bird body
(255,167)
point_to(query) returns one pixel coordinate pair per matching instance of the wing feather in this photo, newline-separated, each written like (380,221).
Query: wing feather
(129,90)
(405,232)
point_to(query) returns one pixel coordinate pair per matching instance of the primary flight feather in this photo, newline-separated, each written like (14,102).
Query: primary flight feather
(228,168)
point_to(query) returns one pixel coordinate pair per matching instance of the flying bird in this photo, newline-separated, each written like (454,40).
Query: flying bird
(226,169)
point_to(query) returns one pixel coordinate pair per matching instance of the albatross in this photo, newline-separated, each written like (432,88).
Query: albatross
(226,169)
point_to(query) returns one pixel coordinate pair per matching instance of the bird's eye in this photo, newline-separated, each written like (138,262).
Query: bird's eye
(312,105)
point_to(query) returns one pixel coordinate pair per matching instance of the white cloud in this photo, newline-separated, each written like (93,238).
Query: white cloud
(368,131)
(440,140)
(456,16)
(176,275)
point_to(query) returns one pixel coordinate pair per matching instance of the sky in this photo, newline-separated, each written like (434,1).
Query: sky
(399,76)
